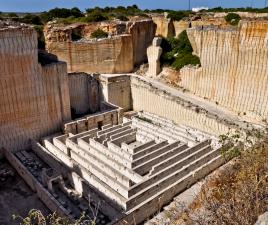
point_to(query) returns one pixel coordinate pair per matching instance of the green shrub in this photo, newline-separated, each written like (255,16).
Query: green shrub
(177,15)
(12,15)
(61,13)
(177,52)
(76,34)
(31,19)
(95,17)
(40,34)
(121,17)
(99,33)
(232,18)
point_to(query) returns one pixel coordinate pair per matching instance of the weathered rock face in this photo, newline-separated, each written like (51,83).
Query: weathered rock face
(125,47)
(165,26)
(34,99)
(180,26)
(142,33)
(234,67)
(110,55)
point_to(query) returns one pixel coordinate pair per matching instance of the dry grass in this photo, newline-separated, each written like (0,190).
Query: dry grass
(237,196)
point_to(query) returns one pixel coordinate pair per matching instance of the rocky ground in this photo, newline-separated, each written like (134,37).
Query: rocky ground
(16,198)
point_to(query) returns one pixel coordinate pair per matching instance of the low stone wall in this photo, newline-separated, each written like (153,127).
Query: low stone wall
(42,193)
(96,120)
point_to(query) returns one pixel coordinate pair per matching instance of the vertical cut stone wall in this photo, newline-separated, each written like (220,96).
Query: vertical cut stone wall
(110,55)
(148,98)
(116,90)
(84,93)
(234,67)
(142,33)
(34,100)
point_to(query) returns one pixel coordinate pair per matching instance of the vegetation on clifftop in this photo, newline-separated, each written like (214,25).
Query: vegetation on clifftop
(99,33)
(232,18)
(177,52)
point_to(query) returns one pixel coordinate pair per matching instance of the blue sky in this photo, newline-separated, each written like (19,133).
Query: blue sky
(42,5)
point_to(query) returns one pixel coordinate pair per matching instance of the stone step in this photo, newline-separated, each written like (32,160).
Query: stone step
(121,155)
(151,129)
(157,201)
(60,141)
(162,131)
(176,158)
(58,153)
(117,131)
(151,136)
(168,170)
(163,182)
(102,164)
(107,156)
(101,186)
(147,166)
(190,132)
(113,128)
(151,155)
(132,149)
(82,134)
(105,173)
(121,134)
(146,151)
(127,138)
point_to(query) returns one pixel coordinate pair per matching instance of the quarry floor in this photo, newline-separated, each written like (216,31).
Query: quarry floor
(16,198)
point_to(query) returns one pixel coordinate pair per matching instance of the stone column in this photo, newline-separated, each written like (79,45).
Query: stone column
(153,53)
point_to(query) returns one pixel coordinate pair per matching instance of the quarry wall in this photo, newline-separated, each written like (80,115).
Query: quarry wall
(34,99)
(119,53)
(151,99)
(142,33)
(84,93)
(234,67)
(165,26)
(116,89)
(110,55)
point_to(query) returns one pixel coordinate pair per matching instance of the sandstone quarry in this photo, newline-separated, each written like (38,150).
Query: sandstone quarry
(123,143)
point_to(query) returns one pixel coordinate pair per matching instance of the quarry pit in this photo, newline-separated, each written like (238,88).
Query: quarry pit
(86,133)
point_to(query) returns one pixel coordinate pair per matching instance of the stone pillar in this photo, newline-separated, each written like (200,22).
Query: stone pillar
(153,53)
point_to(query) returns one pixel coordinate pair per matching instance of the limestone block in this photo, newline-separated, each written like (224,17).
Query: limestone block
(263,219)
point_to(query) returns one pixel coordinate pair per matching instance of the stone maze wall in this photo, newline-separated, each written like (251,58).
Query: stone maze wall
(126,166)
